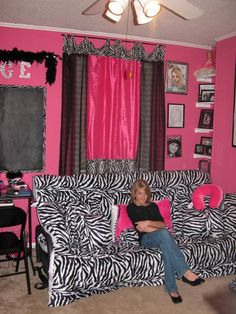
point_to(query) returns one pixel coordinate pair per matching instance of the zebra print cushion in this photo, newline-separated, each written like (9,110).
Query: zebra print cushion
(87,231)
(194,224)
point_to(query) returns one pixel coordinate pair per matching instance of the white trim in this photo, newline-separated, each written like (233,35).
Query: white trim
(225,36)
(201,156)
(204,104)
(118,36)
(199,130)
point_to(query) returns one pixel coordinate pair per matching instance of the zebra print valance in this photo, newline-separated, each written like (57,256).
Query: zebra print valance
(116,50)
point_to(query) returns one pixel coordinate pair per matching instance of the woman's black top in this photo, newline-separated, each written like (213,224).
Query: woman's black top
(141,213)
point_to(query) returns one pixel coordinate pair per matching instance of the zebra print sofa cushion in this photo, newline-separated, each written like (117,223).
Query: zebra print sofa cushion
(75,272)
(88,230)
(202,224)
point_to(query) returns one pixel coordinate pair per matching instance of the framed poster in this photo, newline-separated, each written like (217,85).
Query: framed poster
(175,116)
(174,146)
(176,77)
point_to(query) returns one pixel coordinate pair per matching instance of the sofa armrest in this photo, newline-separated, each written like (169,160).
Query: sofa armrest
(51,217)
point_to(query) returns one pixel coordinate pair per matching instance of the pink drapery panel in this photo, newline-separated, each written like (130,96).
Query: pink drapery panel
(113,108)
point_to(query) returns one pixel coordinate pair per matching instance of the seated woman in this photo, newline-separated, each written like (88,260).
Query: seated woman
(152,231)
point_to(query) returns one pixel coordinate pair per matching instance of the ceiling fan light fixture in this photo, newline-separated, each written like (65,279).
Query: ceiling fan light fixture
(151,8)
(117,7)
(113,17)
(140,16)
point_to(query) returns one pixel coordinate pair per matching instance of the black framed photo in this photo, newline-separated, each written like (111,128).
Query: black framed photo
(176,77)
(206,91)
(207,96)
(204,165)
(206,140)
(174,146)
(199,149)
(206,119)
(175,116)
(207,150)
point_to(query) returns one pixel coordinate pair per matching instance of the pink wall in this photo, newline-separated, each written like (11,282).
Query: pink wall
(224,155)
(32,40)
(36,41)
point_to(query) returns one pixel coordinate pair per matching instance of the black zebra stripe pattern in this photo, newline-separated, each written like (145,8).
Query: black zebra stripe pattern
(76,212)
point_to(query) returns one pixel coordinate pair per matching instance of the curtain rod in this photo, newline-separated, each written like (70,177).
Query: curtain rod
(122,40)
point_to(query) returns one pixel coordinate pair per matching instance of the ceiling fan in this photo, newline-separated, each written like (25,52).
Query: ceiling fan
(144,10)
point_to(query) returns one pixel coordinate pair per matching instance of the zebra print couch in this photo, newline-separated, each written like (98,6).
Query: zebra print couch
(76,213)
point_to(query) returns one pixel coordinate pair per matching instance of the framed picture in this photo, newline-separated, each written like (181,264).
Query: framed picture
(206,89)
(206,141)
(204,165)
(207,95)
(199,149)
(176,77)
(174,146)
(207,150)
(206,119)
(175,116)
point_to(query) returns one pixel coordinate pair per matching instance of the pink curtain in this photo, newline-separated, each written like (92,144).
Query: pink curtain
(113,108)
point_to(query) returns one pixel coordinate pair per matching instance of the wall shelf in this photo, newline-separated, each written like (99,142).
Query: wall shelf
(198,130)
(204,104)
(201,156)
(206,79)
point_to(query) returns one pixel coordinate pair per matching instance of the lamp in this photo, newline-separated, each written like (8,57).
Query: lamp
(140,16)
(150,7)
(115,9)
(113,17)
(145,10)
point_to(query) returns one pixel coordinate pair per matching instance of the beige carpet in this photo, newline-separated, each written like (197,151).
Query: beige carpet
(213,297)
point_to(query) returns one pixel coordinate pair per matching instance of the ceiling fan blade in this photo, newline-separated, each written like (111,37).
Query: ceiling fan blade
(182,8)
(95,8)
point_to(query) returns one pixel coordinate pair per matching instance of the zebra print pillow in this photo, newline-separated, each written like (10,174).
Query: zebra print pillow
(194,223)
(202,224)
(87,232)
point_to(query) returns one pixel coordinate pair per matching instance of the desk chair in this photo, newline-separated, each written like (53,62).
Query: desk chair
(12,216)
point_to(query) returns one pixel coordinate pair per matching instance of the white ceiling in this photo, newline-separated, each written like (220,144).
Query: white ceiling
(218,21)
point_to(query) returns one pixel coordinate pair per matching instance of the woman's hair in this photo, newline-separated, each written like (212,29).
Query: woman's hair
(140,184)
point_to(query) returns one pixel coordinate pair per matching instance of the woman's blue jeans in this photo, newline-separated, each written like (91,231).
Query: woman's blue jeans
(173,258)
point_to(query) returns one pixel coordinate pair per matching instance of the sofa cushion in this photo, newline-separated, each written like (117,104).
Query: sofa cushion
(202,224)
(88,230)
(194,223)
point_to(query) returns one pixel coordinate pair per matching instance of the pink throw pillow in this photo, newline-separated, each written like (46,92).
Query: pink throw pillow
(213,190)
(164,207)
(124,222)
